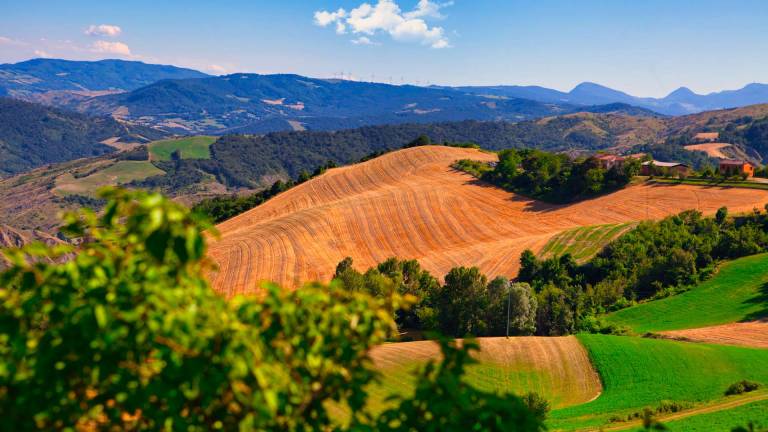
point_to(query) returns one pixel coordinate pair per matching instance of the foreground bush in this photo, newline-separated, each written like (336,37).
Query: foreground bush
(128,336)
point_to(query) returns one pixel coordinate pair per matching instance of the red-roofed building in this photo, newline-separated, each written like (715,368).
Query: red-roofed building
(609,161)
(730,167)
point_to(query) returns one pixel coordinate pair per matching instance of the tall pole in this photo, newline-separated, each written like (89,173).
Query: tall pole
(509,296)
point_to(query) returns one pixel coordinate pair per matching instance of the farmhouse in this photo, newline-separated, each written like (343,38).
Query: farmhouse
(730,167)
(656,167)
(609,161)
(706,136)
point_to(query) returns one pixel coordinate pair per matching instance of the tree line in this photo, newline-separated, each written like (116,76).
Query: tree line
(552,177)
(558,296)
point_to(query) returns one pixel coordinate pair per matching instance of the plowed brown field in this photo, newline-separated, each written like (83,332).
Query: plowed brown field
(752,334)
(557,368)
(412,204)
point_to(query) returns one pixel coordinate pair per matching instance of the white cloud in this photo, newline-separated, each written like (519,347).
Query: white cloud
(387,17)
(41,54)
(111,48)
(216,69)
(103,30)
(323,18)
(426,8)
(363,40)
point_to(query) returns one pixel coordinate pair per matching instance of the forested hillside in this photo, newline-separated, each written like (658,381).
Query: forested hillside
(32,135)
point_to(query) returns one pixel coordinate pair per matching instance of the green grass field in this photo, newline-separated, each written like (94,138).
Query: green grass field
(119,173)
(738,292)
(195,147)
(640,372)
(584,242)
(725,420)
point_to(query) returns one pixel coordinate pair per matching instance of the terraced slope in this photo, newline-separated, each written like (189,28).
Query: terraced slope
(585,242)
(557,368)
(412,204)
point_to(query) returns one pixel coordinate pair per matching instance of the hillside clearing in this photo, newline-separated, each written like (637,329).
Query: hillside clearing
(585,242)
(640,372)
(115,174)
(738,292)
(557,368)
(194,147)
(411,204)
(714,150)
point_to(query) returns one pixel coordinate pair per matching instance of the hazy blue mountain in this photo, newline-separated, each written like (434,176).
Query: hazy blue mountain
(263,103)
(29,79)
(679,102)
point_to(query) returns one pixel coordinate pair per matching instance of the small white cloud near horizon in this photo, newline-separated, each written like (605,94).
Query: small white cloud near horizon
(362,40)
(387,17)
(118,48)
(42,54)
(216,69)
(103,30)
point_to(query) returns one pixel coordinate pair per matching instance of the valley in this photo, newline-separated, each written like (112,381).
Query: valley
(364,233)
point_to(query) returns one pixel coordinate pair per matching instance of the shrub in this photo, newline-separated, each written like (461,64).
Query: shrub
(127,335)
(740,387)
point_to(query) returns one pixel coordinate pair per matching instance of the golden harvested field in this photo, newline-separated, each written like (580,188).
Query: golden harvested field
(752,334)
(714,150)
(557,368)
(412,204)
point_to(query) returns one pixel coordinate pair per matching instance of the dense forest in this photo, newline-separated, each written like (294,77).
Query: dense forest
(557,296)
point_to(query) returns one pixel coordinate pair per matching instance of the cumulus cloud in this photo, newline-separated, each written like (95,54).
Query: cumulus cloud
(103,30)
(118,48)
(41,54)
(387,17)
(324,18)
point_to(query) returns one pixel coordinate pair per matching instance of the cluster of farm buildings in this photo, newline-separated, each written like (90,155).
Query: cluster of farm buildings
(726,167)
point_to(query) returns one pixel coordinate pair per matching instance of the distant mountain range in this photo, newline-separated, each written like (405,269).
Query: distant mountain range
(185,101)
(250,103)
(51,80)
(679,102)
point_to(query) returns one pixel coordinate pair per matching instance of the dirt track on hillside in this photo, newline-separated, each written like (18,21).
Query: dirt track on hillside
(412,204)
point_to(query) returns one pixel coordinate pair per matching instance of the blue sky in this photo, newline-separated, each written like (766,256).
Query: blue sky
(647,48)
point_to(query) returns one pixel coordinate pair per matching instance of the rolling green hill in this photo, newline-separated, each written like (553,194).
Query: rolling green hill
(738,292)
(640,372)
